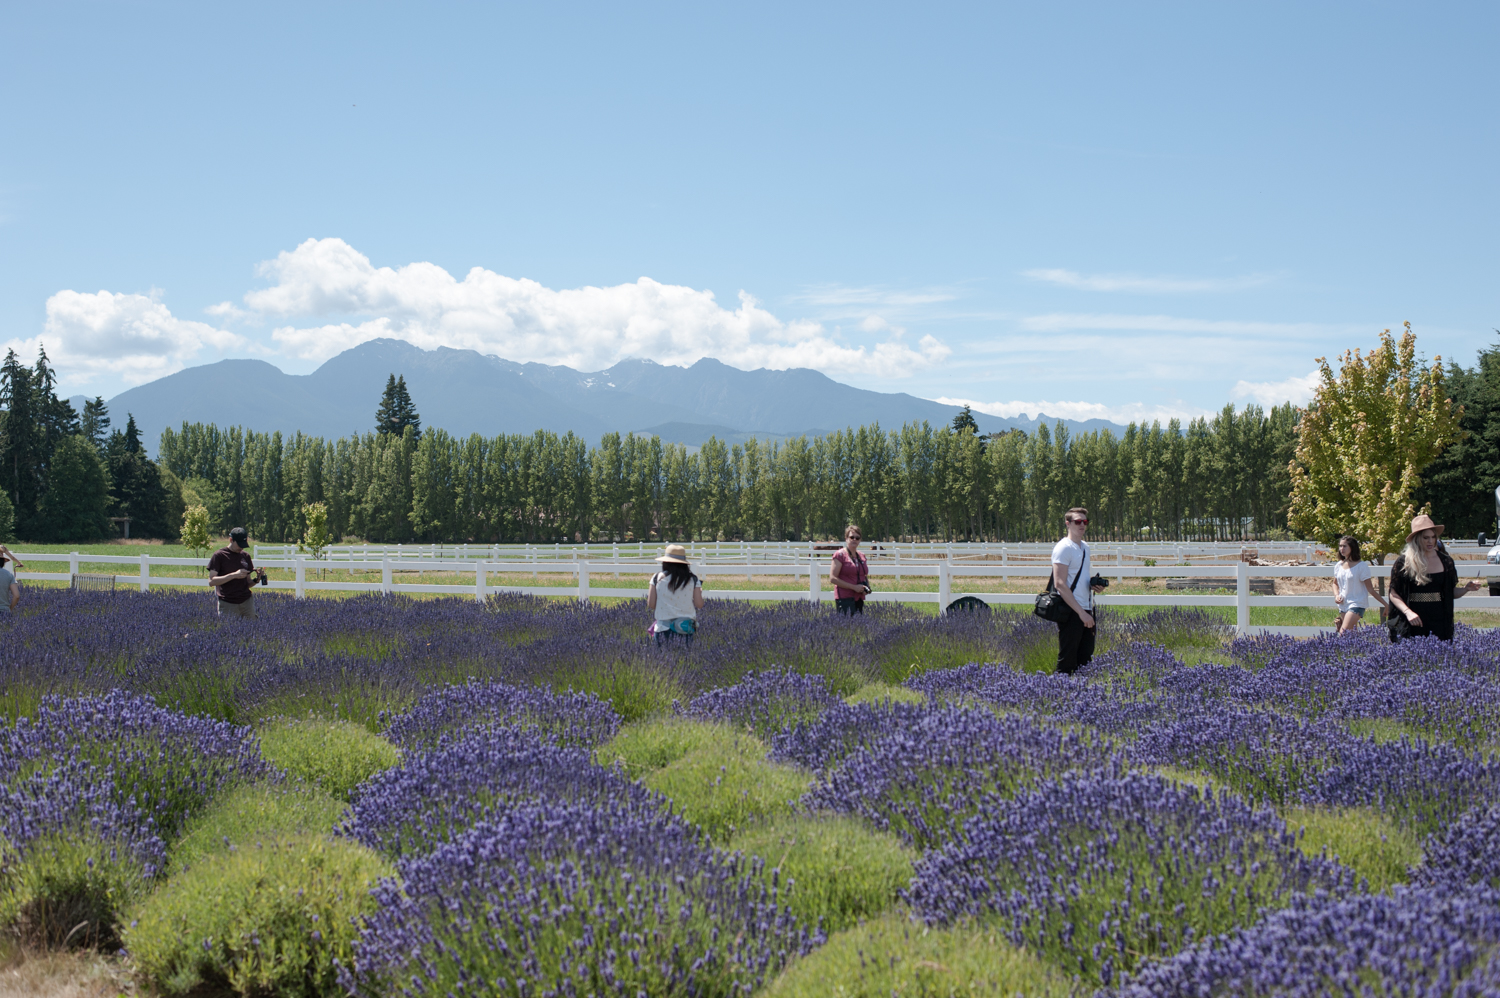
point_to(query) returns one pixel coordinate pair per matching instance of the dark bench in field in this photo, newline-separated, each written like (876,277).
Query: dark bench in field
(1263,587)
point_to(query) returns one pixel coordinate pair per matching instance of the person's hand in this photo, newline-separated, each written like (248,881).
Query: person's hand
(1413,619)
(1338,598)
(1096,589)
(1088,619)
(1473,585)
(243,573)
(866,588)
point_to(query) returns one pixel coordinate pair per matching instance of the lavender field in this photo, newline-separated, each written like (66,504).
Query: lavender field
(383,796)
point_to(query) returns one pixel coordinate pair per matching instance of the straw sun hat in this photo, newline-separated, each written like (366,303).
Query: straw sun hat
(1418,523)
(674,553)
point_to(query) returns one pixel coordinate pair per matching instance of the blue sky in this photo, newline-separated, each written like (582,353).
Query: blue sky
(1115,209)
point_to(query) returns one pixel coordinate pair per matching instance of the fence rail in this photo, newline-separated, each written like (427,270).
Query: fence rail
(1236,576)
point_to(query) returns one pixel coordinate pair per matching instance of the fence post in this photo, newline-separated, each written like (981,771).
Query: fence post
(814,590)
(1004,561)
(145,573)
(1241,598)
(945,587)
(301,576)
(72,564)
(385,574)
(479,583)
(583,582)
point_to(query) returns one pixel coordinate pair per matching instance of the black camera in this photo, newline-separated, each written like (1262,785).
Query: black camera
(260,574)
(1098,582)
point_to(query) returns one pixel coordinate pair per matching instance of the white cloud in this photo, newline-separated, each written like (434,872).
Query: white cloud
(1298,391)
(226,310)
(839,295)
(127,338)
(1136,284)
(586,328)
(1133,412)
(1064,321)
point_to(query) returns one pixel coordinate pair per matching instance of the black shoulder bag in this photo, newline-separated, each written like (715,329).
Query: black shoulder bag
(1049,602)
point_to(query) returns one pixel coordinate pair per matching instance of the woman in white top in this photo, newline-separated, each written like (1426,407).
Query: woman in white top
(1352,588)
(675,596)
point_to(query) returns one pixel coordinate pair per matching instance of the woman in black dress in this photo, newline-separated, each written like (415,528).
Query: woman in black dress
(1424,584)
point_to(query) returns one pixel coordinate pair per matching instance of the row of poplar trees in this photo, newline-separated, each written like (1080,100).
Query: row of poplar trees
(1220,477)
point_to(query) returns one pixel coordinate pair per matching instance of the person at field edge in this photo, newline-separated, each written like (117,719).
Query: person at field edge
(8,583)
(850,574)
(1352,586)
(1424,584)
(675,596)
(1072,568)
(232,573)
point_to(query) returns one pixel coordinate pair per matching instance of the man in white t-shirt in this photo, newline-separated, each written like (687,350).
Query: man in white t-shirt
(1072,568)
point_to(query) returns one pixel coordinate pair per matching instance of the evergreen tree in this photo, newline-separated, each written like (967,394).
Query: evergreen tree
(74,507)
(397,411)
(1461,483)
(18,448)
(132,435)
(139,491)
(964,422)
(95,423)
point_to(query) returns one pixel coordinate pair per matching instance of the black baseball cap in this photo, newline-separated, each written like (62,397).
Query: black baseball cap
(239,535)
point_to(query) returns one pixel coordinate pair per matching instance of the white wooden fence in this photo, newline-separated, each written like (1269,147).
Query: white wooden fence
(814,568)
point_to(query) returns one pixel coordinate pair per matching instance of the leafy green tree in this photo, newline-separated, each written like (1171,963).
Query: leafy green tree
(74,507)
(397,410)
(964,422)
(95,422)
(315,538)
(1461,483)
(1364,442)
(195,535)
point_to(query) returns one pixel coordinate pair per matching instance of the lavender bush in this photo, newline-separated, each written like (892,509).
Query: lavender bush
(1413,941)
(920,778)
(563,718)
(1100,870)
(567,899)
(434,796)
(764,702)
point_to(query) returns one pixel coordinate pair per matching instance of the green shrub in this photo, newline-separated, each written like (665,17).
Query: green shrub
(1363,839)
(336,755)
(835,868)
(645,746)
(266,919)
(725,782)
(633,688)
(893,957)
(879,692)
(251,813)
(68,891)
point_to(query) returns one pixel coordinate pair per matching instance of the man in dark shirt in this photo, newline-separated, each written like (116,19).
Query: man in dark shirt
(231,572)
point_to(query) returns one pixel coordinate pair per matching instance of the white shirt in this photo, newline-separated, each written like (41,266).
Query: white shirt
(670,605)
(1351,583)
(1071,555)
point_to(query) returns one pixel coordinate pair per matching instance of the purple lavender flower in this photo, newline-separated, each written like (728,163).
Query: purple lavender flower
(564,718)
(574,899)
(765,702)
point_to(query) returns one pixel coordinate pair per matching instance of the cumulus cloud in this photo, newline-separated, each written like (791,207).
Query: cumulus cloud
(1135,284)
(586,328)
(1133,412)
(1298,391)
(122,337)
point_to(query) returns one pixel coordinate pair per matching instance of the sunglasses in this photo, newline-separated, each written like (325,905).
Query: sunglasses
(1081,523)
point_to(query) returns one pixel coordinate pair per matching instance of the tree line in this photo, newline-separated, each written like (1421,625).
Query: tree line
(65,474)
(1219,477)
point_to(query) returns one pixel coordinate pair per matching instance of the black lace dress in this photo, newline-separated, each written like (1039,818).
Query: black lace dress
(1432,602)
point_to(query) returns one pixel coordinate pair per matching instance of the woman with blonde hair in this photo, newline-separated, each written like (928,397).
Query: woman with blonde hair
(1424,584)
(675,597)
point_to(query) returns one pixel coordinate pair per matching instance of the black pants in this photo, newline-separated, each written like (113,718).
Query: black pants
(1075,643)
(850,606)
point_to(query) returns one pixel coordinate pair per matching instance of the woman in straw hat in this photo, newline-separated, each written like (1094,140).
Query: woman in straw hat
(675,596)
(1424,584)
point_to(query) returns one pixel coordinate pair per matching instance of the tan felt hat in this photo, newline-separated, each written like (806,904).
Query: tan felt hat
(675,553)
(1424,522)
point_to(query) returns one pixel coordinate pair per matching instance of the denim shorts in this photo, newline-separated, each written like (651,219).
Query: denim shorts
(1358,611)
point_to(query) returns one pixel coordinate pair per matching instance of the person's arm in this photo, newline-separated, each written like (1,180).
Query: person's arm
(219,580)
(1398,583)
(1370,588)
(651,594)
(698,596)
(1060,583)
(15,595)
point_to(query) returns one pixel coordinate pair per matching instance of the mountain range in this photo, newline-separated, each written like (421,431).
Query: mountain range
(463,392)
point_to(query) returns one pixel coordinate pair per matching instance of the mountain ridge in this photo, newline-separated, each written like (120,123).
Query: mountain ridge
(464,391)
